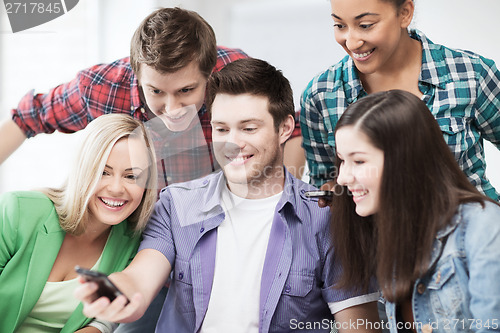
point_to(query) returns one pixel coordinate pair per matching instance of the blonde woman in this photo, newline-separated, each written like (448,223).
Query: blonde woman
(94,221)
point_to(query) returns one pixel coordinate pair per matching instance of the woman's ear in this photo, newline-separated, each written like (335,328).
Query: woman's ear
(406,13)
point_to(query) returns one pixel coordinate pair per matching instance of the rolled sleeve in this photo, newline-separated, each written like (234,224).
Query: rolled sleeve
(62,109)
(353,301)
(158,234)
(319,153)
(103,326)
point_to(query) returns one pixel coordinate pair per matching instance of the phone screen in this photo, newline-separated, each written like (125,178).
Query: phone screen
(106,288)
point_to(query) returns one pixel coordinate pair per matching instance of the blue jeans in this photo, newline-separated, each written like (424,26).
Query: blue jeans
(147,323)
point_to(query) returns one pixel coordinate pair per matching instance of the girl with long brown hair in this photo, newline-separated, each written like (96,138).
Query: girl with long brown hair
(406,214)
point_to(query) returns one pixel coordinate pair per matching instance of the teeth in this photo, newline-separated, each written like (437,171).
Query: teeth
(113,203)
(362,55)
(238,159)
(176,118)
(359,194)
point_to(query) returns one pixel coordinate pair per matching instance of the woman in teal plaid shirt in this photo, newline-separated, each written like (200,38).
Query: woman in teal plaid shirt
(461,89)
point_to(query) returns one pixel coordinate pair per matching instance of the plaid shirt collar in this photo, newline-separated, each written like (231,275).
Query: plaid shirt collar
(135,96)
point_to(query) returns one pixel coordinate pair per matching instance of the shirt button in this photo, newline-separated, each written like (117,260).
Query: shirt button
(132,108)
(143,111)
(438,277)
(169,179)
(201,230)
(181,276)
(288,288)
(421,288)
(426,328)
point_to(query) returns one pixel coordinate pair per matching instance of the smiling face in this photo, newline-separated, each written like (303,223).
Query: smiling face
(247,145)
(360,169)
(174,97)
(121,187)
(370,31)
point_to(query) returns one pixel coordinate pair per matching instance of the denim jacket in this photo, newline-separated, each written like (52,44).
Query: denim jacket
(461,290)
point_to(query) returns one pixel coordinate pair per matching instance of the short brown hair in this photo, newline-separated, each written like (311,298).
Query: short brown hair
(255,77)
(169,39)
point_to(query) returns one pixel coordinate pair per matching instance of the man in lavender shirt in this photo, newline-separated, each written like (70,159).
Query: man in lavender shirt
(246,250)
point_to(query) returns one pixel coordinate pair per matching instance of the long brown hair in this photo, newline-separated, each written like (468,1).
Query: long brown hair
(421,188)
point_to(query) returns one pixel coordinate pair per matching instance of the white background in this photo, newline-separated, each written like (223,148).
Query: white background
(294,35)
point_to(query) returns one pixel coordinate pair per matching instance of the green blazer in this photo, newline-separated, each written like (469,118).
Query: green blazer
(30,239)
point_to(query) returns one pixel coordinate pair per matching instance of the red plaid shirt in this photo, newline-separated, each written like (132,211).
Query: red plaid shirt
(113,88)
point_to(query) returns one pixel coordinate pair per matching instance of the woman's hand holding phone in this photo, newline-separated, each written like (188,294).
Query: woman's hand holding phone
(102,299)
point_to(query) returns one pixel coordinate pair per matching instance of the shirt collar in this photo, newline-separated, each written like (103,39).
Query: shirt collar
(433,70)
(352,83)
(291,199)
(294,196)
(449,228)
(135,93)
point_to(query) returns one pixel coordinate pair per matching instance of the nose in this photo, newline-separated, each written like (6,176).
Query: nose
(234,141)
(345,176)
(172,105)
(115,185)
(353,40)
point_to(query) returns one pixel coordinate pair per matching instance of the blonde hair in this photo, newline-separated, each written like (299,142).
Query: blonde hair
(72,199)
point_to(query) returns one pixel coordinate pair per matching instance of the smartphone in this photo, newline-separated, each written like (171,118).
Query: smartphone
(106,288)
(320,194)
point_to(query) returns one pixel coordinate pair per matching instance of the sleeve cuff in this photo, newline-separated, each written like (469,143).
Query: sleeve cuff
(338,306)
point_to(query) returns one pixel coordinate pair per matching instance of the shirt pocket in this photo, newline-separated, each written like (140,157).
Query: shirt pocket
(446,295)
(454,131)
(295,299)
(183,287)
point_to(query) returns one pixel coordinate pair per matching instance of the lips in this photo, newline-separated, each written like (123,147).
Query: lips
(358,195)
(176,119)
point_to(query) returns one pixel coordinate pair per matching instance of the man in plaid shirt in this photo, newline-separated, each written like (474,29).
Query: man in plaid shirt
(173,52)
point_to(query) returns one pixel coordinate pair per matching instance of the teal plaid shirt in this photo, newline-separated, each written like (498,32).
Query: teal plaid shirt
(461,89)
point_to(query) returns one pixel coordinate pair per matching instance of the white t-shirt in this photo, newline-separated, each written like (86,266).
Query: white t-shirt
(242,240)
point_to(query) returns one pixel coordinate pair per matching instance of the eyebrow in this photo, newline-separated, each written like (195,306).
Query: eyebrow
(151,86)
(253,120)
(128,169)
(353,153)
(189,85)
(360,16)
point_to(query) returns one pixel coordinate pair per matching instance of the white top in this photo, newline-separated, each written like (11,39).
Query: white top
(241,250)
(54,307)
